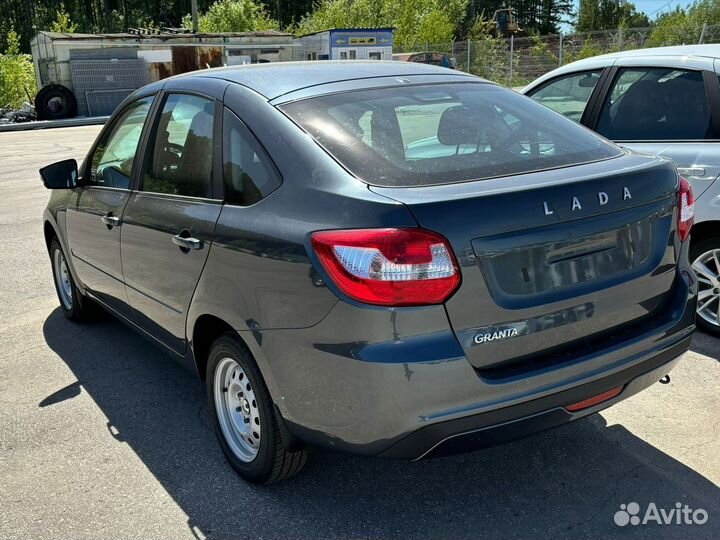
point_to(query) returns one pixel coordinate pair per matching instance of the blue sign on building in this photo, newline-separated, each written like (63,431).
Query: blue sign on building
(361,37)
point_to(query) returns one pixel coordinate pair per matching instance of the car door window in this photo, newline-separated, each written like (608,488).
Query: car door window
(181,156)
(248,174)
(568,95)
(112,160)
(654,104)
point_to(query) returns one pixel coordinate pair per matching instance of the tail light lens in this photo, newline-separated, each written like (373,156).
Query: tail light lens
(590,402)
(686,210)
(389,267)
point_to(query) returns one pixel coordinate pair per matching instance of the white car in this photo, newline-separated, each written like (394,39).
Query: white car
(663,101)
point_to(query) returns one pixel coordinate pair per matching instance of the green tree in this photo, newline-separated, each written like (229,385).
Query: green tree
(681,27)
(416,22)
(233,16)
(588,49)
(609,15)
(632,18)
(62,21)
(533,16)
(17,75)
(481,28)
(288,12)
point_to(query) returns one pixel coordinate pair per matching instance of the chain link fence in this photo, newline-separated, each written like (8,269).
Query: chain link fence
(517,61)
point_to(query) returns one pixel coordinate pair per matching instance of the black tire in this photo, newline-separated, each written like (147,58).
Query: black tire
(55,102)
(79,308)
(696,250)
(273,462)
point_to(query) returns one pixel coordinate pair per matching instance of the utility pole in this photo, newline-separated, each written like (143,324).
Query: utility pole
(193,8)
(560,50)
(512,53)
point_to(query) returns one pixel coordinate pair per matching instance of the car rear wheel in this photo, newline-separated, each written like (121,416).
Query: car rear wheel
(74,305)
(705,257)
(244,418)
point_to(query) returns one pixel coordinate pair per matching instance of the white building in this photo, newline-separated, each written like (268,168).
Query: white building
(345,44)
(102,69)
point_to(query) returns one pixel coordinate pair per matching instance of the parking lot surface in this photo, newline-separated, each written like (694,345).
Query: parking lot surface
(103,436)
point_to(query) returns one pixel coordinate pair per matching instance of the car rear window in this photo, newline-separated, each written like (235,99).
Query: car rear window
(444,133)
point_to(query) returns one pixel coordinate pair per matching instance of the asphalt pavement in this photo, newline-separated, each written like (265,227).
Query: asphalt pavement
(103,436)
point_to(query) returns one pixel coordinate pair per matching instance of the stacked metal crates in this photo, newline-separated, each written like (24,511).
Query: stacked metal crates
(102,78)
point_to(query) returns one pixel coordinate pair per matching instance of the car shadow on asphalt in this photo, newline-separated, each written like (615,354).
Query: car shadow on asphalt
(565,483)
(706,344)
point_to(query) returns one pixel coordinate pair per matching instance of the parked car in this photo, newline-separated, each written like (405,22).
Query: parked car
(425,57)
(394,260)
(664,101)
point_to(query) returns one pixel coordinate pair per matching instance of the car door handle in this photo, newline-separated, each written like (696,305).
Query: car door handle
(186,242)
(691,171)
(110,220)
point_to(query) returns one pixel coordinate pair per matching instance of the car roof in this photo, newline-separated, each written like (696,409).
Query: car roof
(707,51)
(279,78)
(603,60)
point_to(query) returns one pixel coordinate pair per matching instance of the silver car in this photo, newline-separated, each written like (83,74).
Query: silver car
(664,101)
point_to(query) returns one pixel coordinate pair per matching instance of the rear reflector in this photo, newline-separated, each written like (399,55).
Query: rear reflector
(389,267)
(686,210)
(589,402)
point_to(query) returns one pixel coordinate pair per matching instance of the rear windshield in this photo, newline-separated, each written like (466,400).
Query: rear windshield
(444,133)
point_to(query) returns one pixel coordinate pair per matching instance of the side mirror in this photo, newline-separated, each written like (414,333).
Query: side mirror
(60,175)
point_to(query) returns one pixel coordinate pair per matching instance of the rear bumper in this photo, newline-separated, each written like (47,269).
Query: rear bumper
(397,383)
(496,427)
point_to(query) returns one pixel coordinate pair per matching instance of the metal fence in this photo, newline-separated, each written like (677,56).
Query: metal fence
(517,61)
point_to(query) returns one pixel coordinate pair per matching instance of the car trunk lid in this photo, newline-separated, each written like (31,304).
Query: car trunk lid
(553,258)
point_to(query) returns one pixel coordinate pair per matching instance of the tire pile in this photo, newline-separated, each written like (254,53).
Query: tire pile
(55,102)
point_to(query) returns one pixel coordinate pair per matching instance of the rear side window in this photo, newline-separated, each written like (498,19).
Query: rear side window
(655,104)
(180,162)
(248,174)
(443,134)
(568,95)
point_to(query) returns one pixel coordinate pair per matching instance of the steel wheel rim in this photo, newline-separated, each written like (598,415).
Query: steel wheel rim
(237,410)
(707,268)
(62,279)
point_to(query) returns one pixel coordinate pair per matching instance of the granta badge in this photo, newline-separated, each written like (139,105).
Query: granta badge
(497,334)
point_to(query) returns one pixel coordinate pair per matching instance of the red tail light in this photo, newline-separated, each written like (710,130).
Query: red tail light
(389,267)
(686,209)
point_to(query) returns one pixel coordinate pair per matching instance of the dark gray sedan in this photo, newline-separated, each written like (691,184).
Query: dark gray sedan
(388,259)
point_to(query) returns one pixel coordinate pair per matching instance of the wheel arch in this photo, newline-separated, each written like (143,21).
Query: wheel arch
(51,229)
(207,327)
(704,230)
(49,233)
